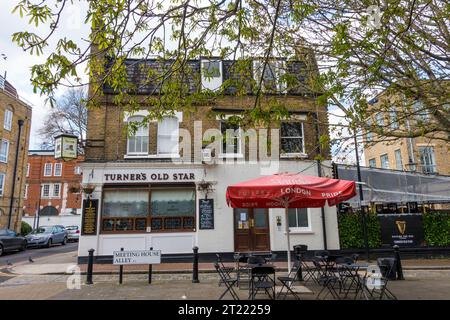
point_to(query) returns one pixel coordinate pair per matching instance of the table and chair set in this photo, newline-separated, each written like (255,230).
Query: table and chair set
(332,276)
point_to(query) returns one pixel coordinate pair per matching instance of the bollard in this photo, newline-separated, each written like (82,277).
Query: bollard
(121,271)
(195,266)
(150,267)
(398,263)
(90,266)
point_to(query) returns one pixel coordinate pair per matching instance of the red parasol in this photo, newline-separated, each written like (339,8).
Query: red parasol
(289,190)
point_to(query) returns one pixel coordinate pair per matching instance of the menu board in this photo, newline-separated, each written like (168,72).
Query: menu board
(89,219)
(206,207)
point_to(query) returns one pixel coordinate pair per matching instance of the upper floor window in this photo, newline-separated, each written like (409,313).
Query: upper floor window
(271,74)
(56,190)
(168,136)
(372,163)
(427,159)
(26,192)
(51,190)
(420,112)
(211,69)
(8,120)
(291,138)
(369,135)
(48,170)
(28,169)
(380,119)
(398,159)
(77,170)
(138,142)
(384,161)
(394,120)
(58,169)
(45,191)
(231,138)
(2,183)
(298,218)
(211,73)
(4,148)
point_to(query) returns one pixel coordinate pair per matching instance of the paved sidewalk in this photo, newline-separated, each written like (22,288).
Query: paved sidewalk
(418,284)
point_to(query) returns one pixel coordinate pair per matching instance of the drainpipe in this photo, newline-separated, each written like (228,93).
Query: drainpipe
(319,171)
(11,203)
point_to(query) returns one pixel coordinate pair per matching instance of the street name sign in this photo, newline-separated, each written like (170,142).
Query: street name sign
(137,257)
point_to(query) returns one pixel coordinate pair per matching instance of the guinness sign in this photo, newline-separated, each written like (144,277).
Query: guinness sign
(404,230)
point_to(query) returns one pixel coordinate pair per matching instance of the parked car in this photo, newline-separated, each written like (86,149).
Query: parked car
(73,233)
(9,241)
(46,236)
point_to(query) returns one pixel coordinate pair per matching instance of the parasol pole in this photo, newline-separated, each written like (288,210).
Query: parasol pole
(287,234)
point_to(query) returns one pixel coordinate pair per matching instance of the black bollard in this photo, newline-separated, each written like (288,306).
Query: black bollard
(121,271)
(195,266)
(150,267)
(398,263)
(90,266)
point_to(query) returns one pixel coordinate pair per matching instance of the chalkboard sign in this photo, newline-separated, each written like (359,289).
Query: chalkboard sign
(206,207)
(89,219)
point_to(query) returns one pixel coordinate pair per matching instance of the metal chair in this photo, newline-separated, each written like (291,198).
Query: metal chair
(226,269)
(328,280)
(229,283)
(262,278)
(376,282)
(289,280)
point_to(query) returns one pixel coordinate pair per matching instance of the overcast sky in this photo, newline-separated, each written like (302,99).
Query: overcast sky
(18,63)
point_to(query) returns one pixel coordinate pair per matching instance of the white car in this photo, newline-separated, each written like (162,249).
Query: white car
(73,233)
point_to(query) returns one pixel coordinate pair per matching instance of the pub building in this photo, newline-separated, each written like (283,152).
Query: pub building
(140,192)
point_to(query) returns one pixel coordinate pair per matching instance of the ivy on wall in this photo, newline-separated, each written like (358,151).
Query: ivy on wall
(436,227)
(351,232)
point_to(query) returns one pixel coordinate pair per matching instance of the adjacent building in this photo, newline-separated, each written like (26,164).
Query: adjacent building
(52,190)
(15,122)
(163,186)
(420,154)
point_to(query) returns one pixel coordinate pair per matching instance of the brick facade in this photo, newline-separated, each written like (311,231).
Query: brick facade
(20,111)
(68,200)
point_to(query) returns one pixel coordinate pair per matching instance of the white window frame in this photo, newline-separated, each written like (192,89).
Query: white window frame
(48,165)
(211,82)
(294,154)
(2,183)
(7,121)
(278,65)
(374,162)
(28,169)
(58,164)
(223,153)
(381,161)
(301,229)
(7,150)
(158,134)
(49,190)
(144,129)
(25,196)
(431,156)
(77,170)
(53,190)
(394,120)
(398,160)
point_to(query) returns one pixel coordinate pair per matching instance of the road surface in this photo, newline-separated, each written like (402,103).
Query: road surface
(19,257)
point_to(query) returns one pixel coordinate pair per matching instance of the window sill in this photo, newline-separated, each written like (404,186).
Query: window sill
(299,231)
(151,156)
(293,155)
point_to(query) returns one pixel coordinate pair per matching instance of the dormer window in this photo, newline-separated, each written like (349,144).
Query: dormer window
(272,76)
(211,71)
(138,142)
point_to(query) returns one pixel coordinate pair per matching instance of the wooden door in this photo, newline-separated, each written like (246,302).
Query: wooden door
(251,230)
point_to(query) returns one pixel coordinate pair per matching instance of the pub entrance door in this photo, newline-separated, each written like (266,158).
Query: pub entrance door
(251,230)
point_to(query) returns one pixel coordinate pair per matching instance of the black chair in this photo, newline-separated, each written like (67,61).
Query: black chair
(262,278)
(380,290)
(327,279)
(289,280)
(229,283)
(242,271)
(226,269)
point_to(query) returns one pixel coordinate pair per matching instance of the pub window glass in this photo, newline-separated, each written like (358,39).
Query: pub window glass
(124,210)
(298,218)
(170,206)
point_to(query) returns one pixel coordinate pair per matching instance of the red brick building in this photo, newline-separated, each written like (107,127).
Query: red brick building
(55,184)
